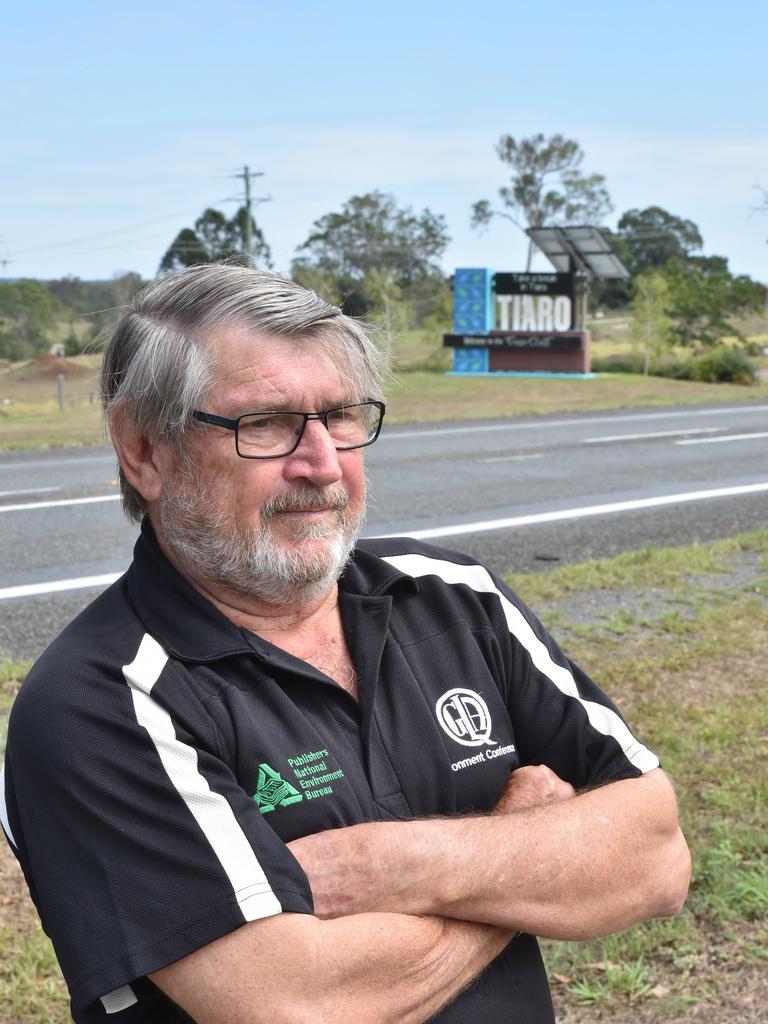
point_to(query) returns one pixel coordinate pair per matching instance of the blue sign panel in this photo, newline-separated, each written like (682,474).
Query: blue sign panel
(474,306)
(470,360)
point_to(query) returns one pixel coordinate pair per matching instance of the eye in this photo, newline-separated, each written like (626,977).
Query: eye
(340,415)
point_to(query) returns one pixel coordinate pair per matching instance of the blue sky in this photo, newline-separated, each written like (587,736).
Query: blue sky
(121,123)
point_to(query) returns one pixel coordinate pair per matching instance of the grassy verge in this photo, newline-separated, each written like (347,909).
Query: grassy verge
(33,420)
(423,396)
(30,979)
(32,426)
(677,637)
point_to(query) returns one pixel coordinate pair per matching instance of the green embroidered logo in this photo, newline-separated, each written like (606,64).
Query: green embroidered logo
(273,791)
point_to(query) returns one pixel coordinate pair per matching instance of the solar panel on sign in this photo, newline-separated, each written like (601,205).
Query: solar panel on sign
(581,248)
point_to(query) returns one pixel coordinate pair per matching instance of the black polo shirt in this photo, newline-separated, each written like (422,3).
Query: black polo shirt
(159,759)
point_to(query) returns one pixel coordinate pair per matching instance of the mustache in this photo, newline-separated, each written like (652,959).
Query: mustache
(306,499)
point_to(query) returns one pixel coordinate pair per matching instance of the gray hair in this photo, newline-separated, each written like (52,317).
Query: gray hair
(158,361)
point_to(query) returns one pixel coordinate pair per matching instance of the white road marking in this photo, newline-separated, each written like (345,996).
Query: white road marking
(575,421)
(55,586)
(728,437)
(29,490)
(513,458)
(56,460)
(579,513)
(34,589)
(29,506)
(655,433)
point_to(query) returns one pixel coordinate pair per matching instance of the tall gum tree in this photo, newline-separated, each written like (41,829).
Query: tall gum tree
(547,186)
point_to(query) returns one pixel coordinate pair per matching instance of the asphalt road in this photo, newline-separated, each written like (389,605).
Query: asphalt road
(516,493)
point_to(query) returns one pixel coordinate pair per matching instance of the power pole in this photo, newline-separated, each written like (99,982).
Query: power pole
(5,260)
(246,175)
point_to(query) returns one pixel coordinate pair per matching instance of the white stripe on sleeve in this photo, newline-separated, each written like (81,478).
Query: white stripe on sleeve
(119,999)
(604,719)
(211,811)
(4,811)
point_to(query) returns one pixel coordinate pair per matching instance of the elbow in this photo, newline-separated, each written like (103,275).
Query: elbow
(670,874)
(673,878)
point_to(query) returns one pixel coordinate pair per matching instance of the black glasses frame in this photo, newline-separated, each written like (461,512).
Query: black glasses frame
(230,424)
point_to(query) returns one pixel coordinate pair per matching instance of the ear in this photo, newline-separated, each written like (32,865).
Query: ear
(141,459)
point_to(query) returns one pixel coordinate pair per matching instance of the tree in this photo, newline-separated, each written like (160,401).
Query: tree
(650,327)
(214,238)
(71,292)
(704,297)
(653,237)
(186,250)
(547,186)
(27,311)
(372,251)
(645,240)
(89,306)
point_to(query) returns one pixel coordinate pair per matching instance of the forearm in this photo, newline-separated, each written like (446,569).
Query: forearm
(399,968)
(366,969)
(579,868)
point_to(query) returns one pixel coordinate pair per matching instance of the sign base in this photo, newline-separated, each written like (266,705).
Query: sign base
(518,351)
(523,374)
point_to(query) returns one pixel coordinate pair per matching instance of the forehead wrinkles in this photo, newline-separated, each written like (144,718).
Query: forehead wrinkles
(278,365)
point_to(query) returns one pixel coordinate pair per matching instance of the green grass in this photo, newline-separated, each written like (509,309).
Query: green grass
(33,991)
(693,684)
(30,980)
(420,396)
(29,407)
(30,426)
(11,675)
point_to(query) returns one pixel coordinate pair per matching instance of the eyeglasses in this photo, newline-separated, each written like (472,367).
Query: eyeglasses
(273,435)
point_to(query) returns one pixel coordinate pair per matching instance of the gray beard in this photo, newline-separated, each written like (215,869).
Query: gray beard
(249,560)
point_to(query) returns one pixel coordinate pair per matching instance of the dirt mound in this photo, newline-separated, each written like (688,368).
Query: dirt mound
(49,367)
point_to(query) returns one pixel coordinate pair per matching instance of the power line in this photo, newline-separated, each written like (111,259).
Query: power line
(111,232)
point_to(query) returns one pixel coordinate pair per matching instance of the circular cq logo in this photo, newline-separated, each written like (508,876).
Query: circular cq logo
(464,715)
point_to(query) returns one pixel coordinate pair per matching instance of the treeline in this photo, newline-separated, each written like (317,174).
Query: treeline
(34,315)
(377,258)
(371,256)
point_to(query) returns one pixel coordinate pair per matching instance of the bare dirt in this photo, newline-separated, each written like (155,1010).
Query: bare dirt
(48,368)
(16,909)
(739,996)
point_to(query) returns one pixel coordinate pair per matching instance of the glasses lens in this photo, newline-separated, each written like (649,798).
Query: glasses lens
(271,433)
(353,425)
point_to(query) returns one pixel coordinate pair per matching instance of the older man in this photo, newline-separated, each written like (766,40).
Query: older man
(272,776)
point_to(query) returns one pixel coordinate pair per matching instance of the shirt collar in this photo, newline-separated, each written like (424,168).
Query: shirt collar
(190,627)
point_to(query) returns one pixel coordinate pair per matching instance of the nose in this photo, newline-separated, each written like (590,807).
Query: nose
(315,459)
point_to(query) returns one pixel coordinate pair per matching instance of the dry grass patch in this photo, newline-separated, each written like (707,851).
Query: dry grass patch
(423,396)
(30,416)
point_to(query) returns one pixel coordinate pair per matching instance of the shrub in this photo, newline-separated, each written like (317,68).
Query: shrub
(721,364)
(676,369)
(620,362)
(724,364)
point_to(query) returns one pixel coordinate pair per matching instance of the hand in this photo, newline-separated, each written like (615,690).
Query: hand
(532,786)
(379,866)
(345,868)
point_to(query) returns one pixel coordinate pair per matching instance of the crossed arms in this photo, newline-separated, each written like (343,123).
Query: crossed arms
(409,913)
